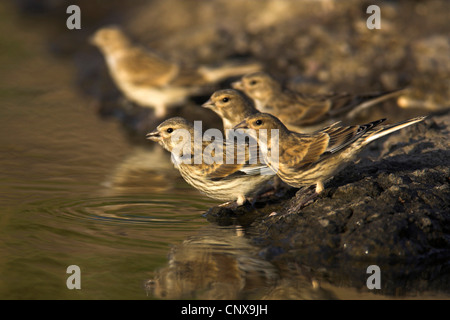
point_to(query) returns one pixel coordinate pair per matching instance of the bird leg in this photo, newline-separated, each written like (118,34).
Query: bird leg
(240,200)
(234,204)
(319,187)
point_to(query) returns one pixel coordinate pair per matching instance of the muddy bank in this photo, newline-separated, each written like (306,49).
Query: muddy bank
(391,209)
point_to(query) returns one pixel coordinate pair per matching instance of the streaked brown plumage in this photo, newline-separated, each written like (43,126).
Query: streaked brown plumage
(224,181)
(303,112)
(312,159)
(232,106)
(150,81)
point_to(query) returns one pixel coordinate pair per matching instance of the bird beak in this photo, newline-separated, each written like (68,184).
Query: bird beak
(241,125)
(208,104)
(154,136)
(237,85)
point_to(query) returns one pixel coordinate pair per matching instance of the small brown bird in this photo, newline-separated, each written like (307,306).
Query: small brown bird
(312,159)
(149,80)
(235,180)
(232,106)
(303,112)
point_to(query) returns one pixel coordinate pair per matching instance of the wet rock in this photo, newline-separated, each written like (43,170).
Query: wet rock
(391,209)
(246,214)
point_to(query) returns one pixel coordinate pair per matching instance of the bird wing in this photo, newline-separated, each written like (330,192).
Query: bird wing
(244,160)
(222,171)
(339,102)
(307,110)
(341,137)
(188,77)
(302,150)
(147,68)
(349,104)
(303,110)
(218,168)
(331,104)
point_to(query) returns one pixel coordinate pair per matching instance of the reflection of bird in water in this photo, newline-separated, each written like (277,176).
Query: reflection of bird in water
(144,171)
(149,80)
(220,263)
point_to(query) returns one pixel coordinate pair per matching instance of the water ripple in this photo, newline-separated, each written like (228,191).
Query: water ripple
(123,210)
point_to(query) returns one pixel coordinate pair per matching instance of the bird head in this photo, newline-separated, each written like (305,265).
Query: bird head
(260,121)
(257,85)
(231,105)
(172,132)
(109,37)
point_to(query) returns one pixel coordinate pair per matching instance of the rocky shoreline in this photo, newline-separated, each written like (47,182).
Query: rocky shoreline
(391,209)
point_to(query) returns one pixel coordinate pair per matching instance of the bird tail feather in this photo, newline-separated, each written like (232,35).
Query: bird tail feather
(392,128)
(380,98)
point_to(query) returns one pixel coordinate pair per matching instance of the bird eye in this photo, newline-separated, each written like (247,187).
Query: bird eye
(258,122)
(253,82)
(226,99)
(169,130)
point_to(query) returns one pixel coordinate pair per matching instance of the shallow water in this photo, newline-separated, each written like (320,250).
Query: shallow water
(74,190)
